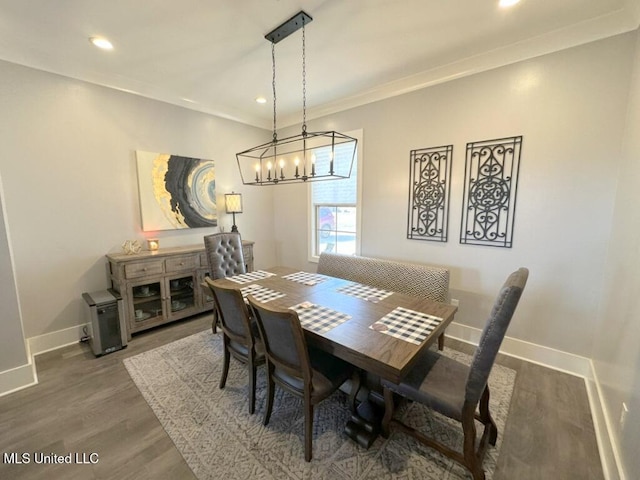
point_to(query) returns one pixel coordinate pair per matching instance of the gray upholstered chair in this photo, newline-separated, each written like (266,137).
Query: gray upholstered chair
(301,370)
(240,336)
(225,257)
(457,390)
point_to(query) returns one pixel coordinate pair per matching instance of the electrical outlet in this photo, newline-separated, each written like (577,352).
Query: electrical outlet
(455,302)
(623,415)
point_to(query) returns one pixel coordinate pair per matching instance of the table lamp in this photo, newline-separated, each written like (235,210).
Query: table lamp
(233,205)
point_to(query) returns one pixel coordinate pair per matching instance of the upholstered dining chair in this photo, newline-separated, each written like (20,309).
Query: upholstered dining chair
(297,368)
(225,257)
(457,390)
(240,336)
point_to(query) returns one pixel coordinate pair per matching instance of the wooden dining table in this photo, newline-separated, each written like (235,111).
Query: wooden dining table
(362,338)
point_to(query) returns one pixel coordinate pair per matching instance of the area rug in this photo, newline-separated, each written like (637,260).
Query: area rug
(219,439)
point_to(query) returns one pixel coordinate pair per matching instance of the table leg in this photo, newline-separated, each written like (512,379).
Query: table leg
(366,417)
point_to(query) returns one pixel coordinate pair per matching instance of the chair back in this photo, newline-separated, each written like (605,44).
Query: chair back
(233,313)
(224,253)
(284,342)
(493,334)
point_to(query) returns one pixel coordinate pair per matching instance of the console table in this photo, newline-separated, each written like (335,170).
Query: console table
(161,286)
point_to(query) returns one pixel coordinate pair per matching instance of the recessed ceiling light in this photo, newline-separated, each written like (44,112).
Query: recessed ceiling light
(508,3)
(261,100)
(101,42)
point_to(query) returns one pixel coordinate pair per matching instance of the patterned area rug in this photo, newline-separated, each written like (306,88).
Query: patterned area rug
(219,439)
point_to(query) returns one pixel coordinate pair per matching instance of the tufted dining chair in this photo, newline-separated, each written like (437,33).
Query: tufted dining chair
(456,390)
(225,257)
(297,368)
(240,335)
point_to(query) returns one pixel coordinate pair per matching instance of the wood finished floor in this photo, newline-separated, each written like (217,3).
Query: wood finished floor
(85,404)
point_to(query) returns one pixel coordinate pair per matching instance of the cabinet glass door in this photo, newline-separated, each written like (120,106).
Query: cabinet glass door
(181,295)
(147,302)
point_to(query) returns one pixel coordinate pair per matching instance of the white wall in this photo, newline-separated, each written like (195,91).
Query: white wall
(570,107)
(616,355)
(13,353)
(69,172)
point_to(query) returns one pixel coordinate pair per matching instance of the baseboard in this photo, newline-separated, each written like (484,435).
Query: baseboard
(18,378)
(545,356)
(607,444)
(54,340)
(26,375)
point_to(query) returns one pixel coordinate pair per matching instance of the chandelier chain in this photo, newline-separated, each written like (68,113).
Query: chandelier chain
(304,81)
(273,85)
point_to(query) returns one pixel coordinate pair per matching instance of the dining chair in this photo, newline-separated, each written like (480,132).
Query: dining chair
(240,336)
(456,390)
(299,369)
(225,258)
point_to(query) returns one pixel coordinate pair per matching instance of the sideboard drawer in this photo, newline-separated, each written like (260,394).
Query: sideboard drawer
(142,269)
(181,263)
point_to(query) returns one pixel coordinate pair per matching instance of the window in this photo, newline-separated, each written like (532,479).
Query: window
(334,213)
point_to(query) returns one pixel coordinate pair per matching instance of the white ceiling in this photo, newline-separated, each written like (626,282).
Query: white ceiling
(211,55)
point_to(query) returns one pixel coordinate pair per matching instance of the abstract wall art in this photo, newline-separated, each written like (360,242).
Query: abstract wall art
(429,186)
(490,188)
(176,192)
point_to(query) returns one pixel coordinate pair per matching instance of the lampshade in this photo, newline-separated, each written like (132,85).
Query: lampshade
(233,202)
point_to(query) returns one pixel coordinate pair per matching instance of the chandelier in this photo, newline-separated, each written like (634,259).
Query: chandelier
(307,157)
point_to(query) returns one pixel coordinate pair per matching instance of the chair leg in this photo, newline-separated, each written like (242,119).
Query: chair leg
(308,429)
(388,412)
(214,323)
(471,460)
(270,394)
(252,386)
(225,366)
(485,417)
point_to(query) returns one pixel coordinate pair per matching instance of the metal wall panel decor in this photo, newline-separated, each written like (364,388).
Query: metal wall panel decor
(490,188)
(429,186)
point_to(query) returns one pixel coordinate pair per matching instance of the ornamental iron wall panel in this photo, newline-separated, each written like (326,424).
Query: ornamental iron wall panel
(429,186)
(490,188)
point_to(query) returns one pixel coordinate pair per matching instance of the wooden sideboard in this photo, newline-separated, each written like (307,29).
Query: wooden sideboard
(162,286)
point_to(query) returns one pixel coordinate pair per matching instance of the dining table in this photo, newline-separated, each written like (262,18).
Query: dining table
(380,332)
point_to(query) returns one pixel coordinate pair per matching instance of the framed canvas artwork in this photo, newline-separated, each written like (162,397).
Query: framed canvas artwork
(176,192)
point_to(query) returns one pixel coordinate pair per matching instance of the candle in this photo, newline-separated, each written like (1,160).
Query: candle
(153,244)
(257,171)
(269,171)
(281,167)
(296,161)
(313,165)
(331,163)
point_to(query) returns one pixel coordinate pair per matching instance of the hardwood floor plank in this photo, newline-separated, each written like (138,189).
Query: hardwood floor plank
(90,405)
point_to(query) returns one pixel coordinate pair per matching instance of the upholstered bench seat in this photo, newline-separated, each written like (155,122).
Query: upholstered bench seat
(408,278)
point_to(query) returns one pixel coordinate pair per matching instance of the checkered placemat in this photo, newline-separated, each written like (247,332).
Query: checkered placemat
(318,318)
(262,294)
(305,278)
(407,325)
(251,276)
(366,292)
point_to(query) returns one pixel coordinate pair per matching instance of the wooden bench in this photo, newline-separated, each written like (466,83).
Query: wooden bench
(408,278)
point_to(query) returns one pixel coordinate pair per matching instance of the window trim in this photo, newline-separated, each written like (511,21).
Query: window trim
(311,233)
